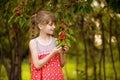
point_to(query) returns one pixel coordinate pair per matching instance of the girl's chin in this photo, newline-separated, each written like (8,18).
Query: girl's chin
(50,33)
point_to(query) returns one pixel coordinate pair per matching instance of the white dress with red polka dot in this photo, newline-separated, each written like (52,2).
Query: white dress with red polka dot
(50,71)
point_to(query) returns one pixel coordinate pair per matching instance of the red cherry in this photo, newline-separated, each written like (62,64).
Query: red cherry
(23,2)
(16,9)
(88,25)
(62,21)
(55,7)
(62,27)
(68,5)
(62,36)
(95,16)
(15,29)
(18,13)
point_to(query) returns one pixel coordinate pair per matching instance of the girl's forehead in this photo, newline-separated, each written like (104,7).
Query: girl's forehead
(51,22)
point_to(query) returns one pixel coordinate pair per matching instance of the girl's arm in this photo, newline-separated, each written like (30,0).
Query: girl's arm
(63,55)
(39,63)
(62,59)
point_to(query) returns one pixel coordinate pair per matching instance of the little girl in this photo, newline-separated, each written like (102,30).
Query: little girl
(47,58)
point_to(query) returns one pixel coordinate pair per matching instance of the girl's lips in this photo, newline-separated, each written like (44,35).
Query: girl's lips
(52,30)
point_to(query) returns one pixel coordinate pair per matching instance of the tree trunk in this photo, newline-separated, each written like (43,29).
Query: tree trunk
(16,58)
(111,51)
(92,54)
(102,52)
(103,48)
(100,77)
(77,57)
(77,62)
(118,46)
(3,59)
(117,38)
(85,46)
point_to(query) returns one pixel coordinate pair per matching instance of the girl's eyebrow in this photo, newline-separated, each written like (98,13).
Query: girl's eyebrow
(51,23)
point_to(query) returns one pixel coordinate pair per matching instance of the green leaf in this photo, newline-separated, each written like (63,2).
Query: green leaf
(61,43)
(68,35)
(68,42)
(89,1)
(73,38)
(70,31)
(16,19)
(55,2)
(22,21)
(11,18)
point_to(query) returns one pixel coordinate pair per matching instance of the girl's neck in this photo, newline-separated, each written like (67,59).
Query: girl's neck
(44,38)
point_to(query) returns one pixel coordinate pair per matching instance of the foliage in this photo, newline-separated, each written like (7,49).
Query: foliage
(80,24)
(114,5)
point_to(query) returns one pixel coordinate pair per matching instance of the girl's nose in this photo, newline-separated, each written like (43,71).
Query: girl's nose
(53,26)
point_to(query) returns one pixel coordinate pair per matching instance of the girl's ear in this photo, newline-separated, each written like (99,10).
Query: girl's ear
(40,26)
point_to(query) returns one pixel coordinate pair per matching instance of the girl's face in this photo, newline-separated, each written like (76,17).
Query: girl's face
(48,28)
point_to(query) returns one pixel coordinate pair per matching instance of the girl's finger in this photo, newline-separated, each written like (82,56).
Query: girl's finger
(58,47)
(66,48)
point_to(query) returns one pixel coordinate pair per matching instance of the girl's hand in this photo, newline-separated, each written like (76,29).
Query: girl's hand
(57,49)
(65,48)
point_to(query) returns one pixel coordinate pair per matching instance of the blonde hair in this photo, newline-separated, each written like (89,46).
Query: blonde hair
(41,17)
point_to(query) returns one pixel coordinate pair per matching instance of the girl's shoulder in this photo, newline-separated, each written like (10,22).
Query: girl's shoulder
(54,39)
(32,41)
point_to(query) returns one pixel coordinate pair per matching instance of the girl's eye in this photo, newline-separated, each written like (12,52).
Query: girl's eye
(51,24)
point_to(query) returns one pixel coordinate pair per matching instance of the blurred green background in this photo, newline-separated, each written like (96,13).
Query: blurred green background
(93,34)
